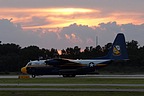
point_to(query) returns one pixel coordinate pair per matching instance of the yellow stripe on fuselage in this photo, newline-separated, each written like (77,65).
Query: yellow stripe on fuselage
(69,64)
(101,65)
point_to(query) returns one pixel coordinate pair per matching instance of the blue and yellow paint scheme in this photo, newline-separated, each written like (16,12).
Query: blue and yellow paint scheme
(71,68)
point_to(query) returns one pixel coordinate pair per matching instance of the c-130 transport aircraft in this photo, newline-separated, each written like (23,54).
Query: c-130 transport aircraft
(71,68)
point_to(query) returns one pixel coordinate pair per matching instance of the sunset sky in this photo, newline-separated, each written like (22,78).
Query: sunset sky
(68,23)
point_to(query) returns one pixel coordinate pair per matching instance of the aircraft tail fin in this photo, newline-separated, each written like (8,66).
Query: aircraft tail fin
(118,50)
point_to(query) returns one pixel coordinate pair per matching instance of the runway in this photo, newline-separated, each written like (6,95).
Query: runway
(77,87)
(42,85)
(138,76)
(66,89)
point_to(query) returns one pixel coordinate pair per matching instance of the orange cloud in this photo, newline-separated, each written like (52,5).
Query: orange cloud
(61,17)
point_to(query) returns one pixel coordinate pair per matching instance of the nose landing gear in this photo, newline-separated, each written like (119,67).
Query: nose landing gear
(33,75)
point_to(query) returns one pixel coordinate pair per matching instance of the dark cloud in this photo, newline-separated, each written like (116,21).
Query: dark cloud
(78,34)
(8,30)
(73,35)
(134,32)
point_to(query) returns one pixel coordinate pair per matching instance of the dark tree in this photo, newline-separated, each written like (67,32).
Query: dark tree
(13,57)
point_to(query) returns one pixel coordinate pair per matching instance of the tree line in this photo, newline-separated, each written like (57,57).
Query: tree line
(13,57)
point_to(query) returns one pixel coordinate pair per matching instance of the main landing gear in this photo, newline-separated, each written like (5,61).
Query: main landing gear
(33,76)
(72,75)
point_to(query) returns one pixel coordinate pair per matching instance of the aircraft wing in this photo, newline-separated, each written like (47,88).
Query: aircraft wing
(65,60)
(61,62)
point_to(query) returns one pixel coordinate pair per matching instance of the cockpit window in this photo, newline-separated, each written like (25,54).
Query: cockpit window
(40,62)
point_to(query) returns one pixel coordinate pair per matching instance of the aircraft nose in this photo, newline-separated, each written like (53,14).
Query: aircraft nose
(24,70)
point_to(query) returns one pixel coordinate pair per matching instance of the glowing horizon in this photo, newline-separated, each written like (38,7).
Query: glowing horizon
(33,18)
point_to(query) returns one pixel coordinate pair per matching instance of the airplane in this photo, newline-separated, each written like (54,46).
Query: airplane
(71,68)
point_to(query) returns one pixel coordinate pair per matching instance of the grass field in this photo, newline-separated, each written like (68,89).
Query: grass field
(45,93)
(71,81)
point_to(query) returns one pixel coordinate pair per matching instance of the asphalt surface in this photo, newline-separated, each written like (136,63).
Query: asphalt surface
(66,89)
(42,85)
(2,86)
(81,76)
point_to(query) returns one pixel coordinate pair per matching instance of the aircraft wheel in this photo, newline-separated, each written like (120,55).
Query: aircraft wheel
(69,75)
(73,75)
(33,76)
(65,75)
